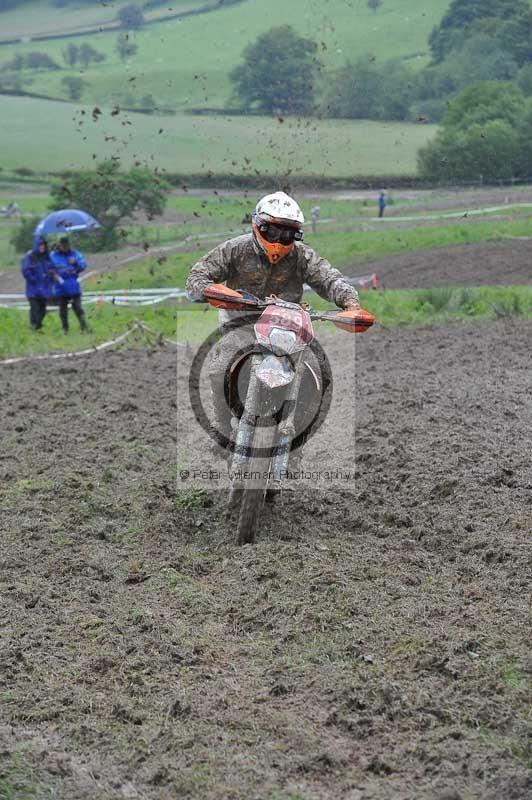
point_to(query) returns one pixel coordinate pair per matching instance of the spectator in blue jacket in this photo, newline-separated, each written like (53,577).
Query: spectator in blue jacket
(68,264)
(37,270)
(382,203)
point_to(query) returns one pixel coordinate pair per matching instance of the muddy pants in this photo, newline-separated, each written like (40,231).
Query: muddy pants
(235,343)
(37,311)
(76,307)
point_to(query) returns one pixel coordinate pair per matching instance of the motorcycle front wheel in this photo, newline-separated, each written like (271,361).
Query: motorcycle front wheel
(254,484)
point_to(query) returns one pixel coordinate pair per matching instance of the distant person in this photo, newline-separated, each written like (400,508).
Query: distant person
(37,270)
(67,265)
(11,210)
(382,203)
(314,216)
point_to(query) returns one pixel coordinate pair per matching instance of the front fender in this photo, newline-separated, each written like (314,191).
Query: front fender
(275,371)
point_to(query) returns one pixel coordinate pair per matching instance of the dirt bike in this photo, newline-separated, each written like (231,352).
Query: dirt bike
(270,377)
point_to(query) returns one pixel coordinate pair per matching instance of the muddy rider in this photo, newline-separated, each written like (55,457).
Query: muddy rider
(270,260)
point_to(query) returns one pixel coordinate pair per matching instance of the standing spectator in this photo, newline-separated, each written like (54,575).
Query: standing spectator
(37,270)
(382,203)
(314,216)
(68,264)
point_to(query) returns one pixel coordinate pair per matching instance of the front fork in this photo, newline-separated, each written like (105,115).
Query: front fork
(286,429)
(257,406)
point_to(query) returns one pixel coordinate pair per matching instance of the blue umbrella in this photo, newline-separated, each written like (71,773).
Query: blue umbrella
(66,221)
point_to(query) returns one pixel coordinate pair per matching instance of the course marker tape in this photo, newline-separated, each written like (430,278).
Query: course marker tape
(146,297)
(138,327)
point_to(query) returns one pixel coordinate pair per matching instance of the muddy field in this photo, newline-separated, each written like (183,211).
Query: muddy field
(374,645)
(493,264)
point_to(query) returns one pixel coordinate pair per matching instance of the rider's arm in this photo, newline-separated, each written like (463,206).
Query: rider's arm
(212,268)
(327,281)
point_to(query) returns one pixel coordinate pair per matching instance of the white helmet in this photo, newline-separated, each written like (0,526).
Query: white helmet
(281,208)
(277,224)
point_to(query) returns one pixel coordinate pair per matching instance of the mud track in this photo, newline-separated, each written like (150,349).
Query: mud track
(372,646)
(494,264)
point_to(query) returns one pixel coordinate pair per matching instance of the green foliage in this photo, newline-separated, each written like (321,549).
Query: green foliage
(484,137)
(476,42)
(482,152)
(33,60)
(125,46)
(74,86)
(461,17)
(278,73)
(39,60)
(13,83)
(147,102)
(89,55)
(524,79)
(17,63)
(22,236)
(192,497)
(71,54)
(131,17)
(483,102)
(365,90)
(438,298)
(111,195)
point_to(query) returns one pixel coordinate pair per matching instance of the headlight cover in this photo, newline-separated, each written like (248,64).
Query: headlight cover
(283,341)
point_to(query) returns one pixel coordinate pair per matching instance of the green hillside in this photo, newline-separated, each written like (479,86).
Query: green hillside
(43,18)
(68,138)
(185,62)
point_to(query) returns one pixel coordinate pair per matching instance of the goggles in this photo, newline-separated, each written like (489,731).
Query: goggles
(275,233)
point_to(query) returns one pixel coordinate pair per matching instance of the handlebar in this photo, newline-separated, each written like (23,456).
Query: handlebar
(351,320)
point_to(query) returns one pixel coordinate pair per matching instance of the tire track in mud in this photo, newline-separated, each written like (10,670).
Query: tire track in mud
(374,644)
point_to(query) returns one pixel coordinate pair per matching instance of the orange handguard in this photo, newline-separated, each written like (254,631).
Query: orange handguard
(221,296)
(353,320)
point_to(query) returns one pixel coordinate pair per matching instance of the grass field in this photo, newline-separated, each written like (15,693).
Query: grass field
(345,250)
(194,322)
(348,235)
(43,18)
(184,144)
(186,62)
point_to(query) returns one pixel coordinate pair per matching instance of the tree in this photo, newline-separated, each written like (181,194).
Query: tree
(524,79)
(484,134)
(131,17)
(16,64)
(482,152)
(484,102)
(460,17)
(374,4)
(147,101)
(111,196)
(125,46)
(39,60)
(88,54)
(355,91)
(74,86)
(22,236)
(278,73)
(367,91)
(71,55)
(516,36)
